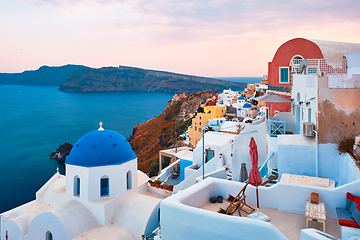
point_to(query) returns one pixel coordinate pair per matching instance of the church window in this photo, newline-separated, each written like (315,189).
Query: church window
(128,180)
(104,186)
(49,235)
(77,186)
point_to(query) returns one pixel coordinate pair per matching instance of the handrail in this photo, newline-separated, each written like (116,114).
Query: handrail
(266,161)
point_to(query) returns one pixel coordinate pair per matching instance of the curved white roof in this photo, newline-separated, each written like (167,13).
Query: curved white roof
(331,49)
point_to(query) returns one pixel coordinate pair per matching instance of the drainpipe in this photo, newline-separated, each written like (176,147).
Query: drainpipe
(316,155)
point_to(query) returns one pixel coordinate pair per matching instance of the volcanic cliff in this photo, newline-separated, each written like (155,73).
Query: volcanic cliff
(162,131)
(136,79)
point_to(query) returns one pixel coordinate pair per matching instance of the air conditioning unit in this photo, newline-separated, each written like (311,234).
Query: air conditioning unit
(308,129)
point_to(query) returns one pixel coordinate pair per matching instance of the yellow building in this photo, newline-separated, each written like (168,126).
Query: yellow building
(201,119)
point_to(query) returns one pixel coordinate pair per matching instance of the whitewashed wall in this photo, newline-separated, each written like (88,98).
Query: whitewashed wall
(241,147)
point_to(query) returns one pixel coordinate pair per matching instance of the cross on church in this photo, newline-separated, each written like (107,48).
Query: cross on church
(100,124)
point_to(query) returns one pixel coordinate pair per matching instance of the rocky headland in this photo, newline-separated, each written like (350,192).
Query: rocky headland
(136,79)
(61,152)
(162,131)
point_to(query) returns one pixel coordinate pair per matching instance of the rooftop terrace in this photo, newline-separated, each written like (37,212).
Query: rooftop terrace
(290,224)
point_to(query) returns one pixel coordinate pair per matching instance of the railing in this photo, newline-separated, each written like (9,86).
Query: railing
(276,128)
(328,66)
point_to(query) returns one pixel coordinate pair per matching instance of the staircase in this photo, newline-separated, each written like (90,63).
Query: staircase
(273,174)
(228,174)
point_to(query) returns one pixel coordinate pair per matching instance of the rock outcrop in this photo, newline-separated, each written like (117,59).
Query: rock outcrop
(162,131)
(61,152)
(137,79)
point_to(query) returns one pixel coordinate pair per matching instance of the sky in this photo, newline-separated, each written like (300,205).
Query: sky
(212,38)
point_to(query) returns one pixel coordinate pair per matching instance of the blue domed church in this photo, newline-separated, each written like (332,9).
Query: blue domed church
(102,196)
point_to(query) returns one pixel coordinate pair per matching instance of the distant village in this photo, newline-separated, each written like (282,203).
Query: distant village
(280,160)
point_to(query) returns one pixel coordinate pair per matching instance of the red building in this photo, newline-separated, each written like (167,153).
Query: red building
(287,59)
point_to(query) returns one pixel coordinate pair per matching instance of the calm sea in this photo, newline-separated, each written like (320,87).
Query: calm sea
(35,120)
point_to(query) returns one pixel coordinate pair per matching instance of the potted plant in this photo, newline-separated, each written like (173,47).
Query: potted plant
(151,183)
(157,182)
(165,187)
(170,187)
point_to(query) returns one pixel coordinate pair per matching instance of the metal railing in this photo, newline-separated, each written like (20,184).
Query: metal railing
(314,66)
(277,128)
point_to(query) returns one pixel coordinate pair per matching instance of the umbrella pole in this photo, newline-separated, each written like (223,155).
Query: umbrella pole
(257,200)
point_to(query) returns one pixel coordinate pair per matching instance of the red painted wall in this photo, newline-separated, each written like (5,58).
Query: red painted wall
(282,58)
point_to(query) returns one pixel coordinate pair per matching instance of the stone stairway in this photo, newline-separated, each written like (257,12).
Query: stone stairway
(228,174)
(274,172)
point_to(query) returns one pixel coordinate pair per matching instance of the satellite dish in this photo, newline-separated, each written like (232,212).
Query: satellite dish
(302,66)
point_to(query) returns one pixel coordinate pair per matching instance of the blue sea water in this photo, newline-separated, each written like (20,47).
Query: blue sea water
(241,79)
(35,120)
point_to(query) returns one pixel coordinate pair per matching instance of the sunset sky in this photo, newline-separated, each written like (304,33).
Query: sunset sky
(218,38)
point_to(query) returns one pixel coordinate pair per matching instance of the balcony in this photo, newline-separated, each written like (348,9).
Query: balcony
(314,66)
(277,128)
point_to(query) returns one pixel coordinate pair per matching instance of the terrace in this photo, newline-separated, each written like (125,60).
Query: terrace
(290,224)
(284,203)
(314,66)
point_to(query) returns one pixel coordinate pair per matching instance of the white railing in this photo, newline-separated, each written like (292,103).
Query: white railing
(314,66)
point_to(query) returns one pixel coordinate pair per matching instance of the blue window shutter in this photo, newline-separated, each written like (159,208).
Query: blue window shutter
(284,75)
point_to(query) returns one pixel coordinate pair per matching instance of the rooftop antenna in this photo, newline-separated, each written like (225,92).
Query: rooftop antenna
(302,66)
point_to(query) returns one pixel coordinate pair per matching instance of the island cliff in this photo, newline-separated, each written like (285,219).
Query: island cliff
(44,76)
(136,79)
(162,131)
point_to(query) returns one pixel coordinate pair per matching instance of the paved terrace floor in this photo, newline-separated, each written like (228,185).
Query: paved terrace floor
(290,224)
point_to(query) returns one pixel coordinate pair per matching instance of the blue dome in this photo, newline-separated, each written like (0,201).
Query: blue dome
(100,148)
(241,98)
(247,105)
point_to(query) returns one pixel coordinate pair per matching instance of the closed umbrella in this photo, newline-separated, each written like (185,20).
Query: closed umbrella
(243,173)
(255,179)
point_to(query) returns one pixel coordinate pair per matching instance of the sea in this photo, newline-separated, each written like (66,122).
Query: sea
(35,120)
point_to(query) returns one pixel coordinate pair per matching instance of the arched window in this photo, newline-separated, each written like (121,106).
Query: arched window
(77,186)
(104,186)
(49,235)
(128,180)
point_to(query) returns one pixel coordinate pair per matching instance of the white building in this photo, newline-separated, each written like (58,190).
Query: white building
(226,97)
(99,198)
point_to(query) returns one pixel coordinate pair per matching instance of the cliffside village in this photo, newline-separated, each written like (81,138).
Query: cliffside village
(278,161)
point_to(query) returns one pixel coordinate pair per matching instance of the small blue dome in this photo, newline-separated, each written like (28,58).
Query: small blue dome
(241,98)
(247,105)
(100,148)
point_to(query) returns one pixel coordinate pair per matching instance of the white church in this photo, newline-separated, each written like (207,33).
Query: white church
(102,196)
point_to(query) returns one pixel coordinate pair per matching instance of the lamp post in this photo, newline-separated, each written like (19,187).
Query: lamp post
(203,153)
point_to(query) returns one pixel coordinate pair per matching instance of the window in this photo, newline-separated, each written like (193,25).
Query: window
(200,117)
(104,186)
(128,180)
(309,115)
(77,186)
(199,129)
(284,75)
(195,128)
(49,235)
(199,123)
